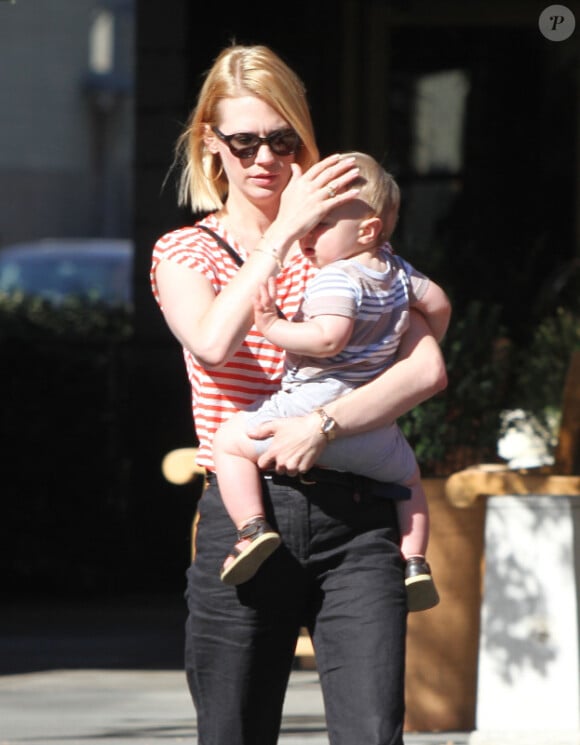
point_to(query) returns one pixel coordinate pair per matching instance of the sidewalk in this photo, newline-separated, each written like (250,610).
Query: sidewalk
(146,707)
(111,673)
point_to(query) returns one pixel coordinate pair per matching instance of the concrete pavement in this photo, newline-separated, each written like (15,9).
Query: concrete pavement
(110,672)
(145,707)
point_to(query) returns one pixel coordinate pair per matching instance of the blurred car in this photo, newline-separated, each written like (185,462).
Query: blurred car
(95,269)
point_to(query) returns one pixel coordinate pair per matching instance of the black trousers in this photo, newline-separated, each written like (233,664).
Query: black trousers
(338,572)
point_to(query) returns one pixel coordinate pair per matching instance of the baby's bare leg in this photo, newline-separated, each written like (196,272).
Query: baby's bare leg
(414,525)
(239,483)
(414,519)
(236,470)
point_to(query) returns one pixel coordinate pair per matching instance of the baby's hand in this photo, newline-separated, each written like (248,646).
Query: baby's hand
(265,311)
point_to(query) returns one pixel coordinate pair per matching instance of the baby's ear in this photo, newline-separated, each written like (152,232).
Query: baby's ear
(369,230)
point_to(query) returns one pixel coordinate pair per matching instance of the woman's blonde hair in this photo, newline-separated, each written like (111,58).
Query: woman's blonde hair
(379,190)
(238,71)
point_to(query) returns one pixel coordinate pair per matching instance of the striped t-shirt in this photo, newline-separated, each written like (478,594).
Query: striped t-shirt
(378,302)
(256,368)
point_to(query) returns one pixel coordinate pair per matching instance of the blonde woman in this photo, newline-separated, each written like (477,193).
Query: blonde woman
(251,163)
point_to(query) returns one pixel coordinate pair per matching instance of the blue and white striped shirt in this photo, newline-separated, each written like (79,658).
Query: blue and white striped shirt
(379,304)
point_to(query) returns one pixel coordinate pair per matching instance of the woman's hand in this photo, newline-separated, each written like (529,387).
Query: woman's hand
(309,196)
(296,444)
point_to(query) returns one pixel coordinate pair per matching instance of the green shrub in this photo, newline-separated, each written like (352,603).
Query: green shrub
(487,376)
(540,371)
(23,317)
(459,426)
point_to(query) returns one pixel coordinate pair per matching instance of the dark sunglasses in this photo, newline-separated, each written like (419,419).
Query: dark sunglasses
(247,144)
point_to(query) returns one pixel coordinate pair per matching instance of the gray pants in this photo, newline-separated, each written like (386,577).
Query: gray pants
(383,454)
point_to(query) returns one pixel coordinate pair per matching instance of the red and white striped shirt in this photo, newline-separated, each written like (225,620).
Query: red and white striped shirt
(256,368)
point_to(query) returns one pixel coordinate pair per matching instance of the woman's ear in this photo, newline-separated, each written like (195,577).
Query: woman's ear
(369,230)
(209,139)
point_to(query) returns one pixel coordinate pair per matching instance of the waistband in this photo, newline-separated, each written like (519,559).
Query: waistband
(342,479)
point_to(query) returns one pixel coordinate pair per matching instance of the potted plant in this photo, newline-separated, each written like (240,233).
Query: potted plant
(460,426)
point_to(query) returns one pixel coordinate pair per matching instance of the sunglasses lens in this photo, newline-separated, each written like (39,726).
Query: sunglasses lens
(244,145)
(285,143)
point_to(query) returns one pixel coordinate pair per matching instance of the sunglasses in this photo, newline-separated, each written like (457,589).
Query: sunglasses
(247,144)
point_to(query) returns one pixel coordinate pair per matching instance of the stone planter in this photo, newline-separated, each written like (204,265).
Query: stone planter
(529,670)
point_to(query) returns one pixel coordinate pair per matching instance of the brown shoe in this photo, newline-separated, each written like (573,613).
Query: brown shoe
(421,591)
(246,561)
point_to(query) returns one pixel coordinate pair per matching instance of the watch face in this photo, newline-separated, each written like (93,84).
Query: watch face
(327,424)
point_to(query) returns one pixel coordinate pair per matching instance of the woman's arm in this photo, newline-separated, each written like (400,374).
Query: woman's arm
(436,308)
(418,374)
(210,326)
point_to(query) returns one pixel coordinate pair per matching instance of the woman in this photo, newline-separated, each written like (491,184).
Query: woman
(251,161)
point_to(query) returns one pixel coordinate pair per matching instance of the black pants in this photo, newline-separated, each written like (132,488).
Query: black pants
(338,572)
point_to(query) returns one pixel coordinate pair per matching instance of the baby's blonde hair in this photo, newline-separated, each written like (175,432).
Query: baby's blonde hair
(238,71)
(379,190)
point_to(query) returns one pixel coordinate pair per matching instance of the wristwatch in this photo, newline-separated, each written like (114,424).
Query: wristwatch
(327,425)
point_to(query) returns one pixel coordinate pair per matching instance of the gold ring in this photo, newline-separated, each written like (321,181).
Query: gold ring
(331,191)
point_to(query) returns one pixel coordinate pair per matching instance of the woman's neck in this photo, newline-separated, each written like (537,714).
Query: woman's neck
(247,225)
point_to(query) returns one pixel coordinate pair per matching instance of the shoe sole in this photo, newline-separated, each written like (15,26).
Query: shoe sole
(244,566)
(421,593)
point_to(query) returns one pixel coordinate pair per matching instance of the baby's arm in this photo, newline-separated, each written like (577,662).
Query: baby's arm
(323,336)
(436,308)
